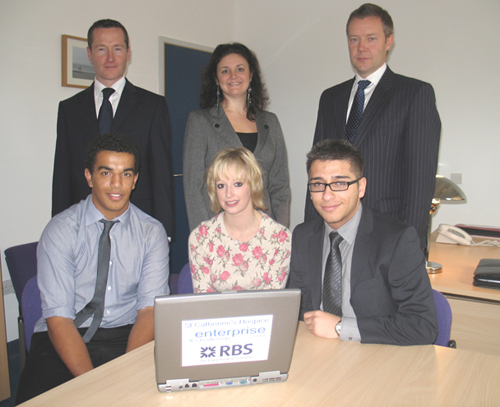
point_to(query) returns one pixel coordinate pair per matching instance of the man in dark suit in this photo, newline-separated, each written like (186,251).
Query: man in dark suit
(397,128)
(135,112)
(362,273)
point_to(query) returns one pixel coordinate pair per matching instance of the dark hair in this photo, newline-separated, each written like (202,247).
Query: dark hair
(112,142)
(330,150)
(372,10)
(208,96)
(106,23)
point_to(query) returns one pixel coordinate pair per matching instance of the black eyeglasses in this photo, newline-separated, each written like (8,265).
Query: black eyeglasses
(334,186)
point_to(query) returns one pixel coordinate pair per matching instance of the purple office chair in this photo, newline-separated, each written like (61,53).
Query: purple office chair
(444,316)
(21,261)
(185,285)
(32,308)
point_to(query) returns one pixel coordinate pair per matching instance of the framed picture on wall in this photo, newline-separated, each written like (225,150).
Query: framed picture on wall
(77,71)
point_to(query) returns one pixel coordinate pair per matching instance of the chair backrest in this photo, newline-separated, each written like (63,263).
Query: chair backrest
(185,285)
(32,308)
(21,261)
(444,316)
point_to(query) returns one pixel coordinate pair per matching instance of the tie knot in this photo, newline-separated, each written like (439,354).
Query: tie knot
(335,239)
(363,85)
(107,92)
(108,224)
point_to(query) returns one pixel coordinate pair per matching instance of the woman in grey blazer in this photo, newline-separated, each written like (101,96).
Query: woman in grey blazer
(233,98)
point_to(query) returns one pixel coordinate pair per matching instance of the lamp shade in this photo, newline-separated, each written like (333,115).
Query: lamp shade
(447,191)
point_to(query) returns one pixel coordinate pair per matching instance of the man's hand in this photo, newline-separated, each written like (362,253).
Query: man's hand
(322,324)
(69,345)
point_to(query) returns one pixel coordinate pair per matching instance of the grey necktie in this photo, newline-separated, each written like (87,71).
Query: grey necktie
(332,281)
(356,111)
(96,305)
(106,111)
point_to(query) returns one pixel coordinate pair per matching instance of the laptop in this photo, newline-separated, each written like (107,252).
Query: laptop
(215,340)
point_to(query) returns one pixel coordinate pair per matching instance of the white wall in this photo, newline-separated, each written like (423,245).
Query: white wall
(30,83)
(302,49)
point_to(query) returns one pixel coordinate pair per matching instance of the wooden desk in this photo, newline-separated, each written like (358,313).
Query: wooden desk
(323,373)
(476,310)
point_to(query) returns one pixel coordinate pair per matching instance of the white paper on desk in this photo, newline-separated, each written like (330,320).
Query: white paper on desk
(226,340)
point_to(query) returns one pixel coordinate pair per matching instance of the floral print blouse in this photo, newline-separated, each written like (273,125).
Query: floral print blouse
(220,263)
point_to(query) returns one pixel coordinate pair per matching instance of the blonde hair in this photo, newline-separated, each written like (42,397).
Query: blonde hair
(246,168)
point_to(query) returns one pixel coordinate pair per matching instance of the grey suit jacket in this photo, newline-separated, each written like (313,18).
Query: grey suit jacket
(207,132)
(399,137)
(390,291)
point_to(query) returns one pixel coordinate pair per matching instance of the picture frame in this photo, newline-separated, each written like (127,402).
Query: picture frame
(77,70)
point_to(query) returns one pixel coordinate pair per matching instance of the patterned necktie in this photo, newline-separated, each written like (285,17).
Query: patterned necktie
(332,281)
(356,111)
(106,111)
(96,305)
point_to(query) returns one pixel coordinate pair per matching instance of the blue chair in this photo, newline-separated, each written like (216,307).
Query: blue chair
(444,317)
(32,308)
(185,285)
(21,261)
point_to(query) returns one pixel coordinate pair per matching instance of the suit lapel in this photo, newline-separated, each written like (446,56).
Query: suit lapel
(363,246)
(222,127)
(127,102)
(262,132)
(340,115)
(88,110)
(377,102)
(315,261)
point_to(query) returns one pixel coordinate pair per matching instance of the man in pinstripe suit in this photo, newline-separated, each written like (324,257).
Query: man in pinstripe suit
(399,130)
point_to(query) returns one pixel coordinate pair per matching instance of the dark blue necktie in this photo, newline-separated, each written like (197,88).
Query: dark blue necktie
(332,281)
(96,305)
(356,111)
(106,111)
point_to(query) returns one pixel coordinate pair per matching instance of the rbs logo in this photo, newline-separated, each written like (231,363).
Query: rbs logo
(225,350)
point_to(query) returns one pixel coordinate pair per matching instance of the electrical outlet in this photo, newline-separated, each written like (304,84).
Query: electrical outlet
(8,288)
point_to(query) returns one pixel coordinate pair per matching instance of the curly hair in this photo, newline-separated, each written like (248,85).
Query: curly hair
(208,95)
(111,142)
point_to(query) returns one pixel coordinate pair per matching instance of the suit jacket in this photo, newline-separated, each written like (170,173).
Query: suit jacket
(207,132)
(390,291)
(142,116)
(399,137)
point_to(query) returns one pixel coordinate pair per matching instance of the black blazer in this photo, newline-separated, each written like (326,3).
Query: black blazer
(142,116)
(390,291)
(399,137)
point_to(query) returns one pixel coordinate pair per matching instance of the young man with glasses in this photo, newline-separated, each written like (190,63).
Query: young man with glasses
(362,273)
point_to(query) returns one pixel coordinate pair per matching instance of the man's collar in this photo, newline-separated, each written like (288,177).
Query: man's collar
(94,215)
(374,78)
(349,229)
(117,86)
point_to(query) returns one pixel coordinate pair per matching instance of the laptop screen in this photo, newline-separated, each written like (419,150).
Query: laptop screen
(208,340)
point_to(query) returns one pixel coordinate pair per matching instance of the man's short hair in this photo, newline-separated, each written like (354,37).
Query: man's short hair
(333,150)
(372,10)
(106,23)
(246,168)
(112,142)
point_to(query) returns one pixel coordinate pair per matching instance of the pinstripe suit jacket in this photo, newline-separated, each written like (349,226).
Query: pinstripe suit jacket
(390,291)
(399,137)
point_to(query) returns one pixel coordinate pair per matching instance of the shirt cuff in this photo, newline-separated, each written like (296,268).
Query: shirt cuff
(350,330)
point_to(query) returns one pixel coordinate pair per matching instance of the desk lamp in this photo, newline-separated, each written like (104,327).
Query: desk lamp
(447,192)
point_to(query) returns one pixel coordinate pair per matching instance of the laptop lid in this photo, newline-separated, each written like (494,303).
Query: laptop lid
(228,339)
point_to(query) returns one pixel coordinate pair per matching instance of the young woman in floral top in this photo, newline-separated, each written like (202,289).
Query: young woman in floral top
(241,248)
